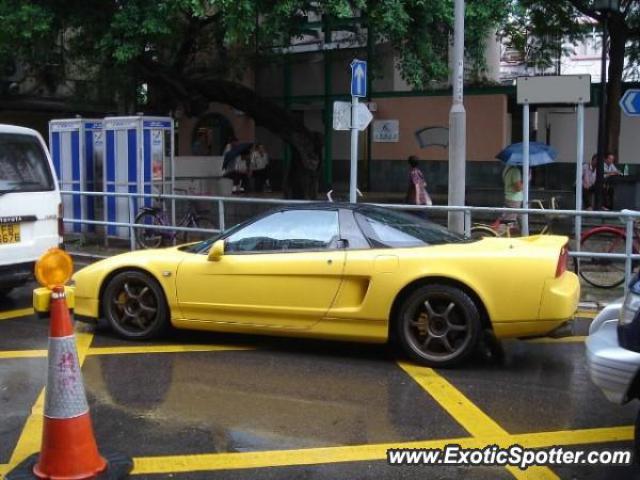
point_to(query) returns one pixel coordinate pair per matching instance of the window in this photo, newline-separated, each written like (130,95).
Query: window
(388,228)
(23,164)
(287,231)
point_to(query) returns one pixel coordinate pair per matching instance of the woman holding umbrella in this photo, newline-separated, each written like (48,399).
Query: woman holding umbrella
(513,158)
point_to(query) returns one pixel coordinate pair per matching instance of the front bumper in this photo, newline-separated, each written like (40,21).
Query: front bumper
(611,367)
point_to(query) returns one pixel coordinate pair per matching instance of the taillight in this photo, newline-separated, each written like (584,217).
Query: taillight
(60,222)
(562,261)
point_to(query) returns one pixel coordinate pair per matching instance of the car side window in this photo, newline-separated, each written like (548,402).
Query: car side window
(288,230)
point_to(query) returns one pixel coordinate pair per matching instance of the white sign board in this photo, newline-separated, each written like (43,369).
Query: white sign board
(342,116)
(571,89)
(387,131)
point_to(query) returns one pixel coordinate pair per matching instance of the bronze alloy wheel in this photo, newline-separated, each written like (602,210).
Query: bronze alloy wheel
(135,306)
(438,325)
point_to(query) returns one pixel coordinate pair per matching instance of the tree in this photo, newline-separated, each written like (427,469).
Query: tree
(537,28)
(193,52)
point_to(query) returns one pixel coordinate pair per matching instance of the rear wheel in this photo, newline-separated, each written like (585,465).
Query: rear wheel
(200,222)
(482,231)
(602,272)
(135,306)
(438,325)
(148,237)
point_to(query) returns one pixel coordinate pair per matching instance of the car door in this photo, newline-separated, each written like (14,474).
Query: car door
(283,270)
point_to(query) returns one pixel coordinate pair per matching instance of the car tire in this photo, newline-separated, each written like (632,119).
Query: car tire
(4,292)
(438,325)
(135,306)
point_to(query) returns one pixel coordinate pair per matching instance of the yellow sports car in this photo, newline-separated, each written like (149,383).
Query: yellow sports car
(340,271)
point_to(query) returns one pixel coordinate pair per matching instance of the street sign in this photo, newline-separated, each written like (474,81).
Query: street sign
(342,116)
(572,89)
(630,103)
(358,78)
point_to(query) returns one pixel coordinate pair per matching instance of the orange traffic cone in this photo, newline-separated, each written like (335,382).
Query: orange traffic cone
(69,450)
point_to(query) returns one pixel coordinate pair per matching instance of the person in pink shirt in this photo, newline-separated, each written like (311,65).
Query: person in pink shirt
(417,185)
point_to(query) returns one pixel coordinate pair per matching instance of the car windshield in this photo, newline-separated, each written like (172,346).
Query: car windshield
(390,228)
(23,164)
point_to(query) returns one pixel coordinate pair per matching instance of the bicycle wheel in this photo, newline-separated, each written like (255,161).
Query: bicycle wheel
(602,272)
(199,222)
(148,237)
(482,231)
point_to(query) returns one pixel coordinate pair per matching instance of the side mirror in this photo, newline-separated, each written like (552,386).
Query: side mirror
(217,251)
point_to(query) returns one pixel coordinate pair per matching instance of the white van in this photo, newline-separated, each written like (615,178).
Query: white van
(30,205)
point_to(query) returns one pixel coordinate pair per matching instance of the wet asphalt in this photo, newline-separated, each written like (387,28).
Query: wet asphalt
(288,394)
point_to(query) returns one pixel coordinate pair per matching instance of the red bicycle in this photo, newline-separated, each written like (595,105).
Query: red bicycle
(605,272)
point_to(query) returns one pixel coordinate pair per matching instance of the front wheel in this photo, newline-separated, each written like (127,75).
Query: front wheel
(602,272)
(135,306)
(148,237)
(438,325)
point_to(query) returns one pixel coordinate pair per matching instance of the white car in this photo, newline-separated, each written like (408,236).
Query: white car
(613,348)
(30,204)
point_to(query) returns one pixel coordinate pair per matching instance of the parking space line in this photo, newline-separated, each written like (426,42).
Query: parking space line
(373,452)
(11,314)
(571,339)
(467,413)
(165,349)
(22,354)
(282,458)
(31,436)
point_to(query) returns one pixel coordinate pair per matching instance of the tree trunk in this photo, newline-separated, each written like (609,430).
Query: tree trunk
(618,39)
(197,92)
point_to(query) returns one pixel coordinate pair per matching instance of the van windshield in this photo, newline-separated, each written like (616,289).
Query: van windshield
(23,164)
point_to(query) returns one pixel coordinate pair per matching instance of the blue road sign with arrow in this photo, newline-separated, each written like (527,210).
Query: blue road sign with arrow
(630,103)
(358,78)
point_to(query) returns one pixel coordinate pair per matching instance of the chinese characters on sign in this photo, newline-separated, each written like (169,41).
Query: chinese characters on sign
(386,131)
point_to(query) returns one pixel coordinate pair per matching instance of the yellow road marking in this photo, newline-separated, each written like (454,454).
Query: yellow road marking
(467,414)
(573,339)
(21,312)
(23,354)
(3,469)
(373,452)
(30,438)
(165,349)
(586,313)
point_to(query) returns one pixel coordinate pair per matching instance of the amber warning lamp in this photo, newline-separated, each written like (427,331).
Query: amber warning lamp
(54,268)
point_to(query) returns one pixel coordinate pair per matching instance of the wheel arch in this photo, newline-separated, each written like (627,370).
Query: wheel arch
(128,268)
(437,280)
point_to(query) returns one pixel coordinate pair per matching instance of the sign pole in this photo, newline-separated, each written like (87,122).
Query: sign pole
(525,167)
(457,125)
(579,161)
(353,178)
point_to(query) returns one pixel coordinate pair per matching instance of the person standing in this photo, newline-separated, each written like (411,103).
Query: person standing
(588,182)
(610,170)
(513,195)
(417,187)
(259,167)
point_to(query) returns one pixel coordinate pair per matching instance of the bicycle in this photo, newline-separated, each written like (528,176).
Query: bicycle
(157,216)
(509,228)
(605,272)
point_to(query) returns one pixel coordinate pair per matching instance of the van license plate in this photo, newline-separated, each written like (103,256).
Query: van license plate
(10,233)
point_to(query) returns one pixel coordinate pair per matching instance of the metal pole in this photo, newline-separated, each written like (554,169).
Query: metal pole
(467,223)
(628,250)
(579,162)
(221,215)
(525,167)
(353,178)
(132,239)
(602,134)
(457,125)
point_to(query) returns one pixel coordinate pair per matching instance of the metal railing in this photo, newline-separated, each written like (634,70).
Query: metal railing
(628,217)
